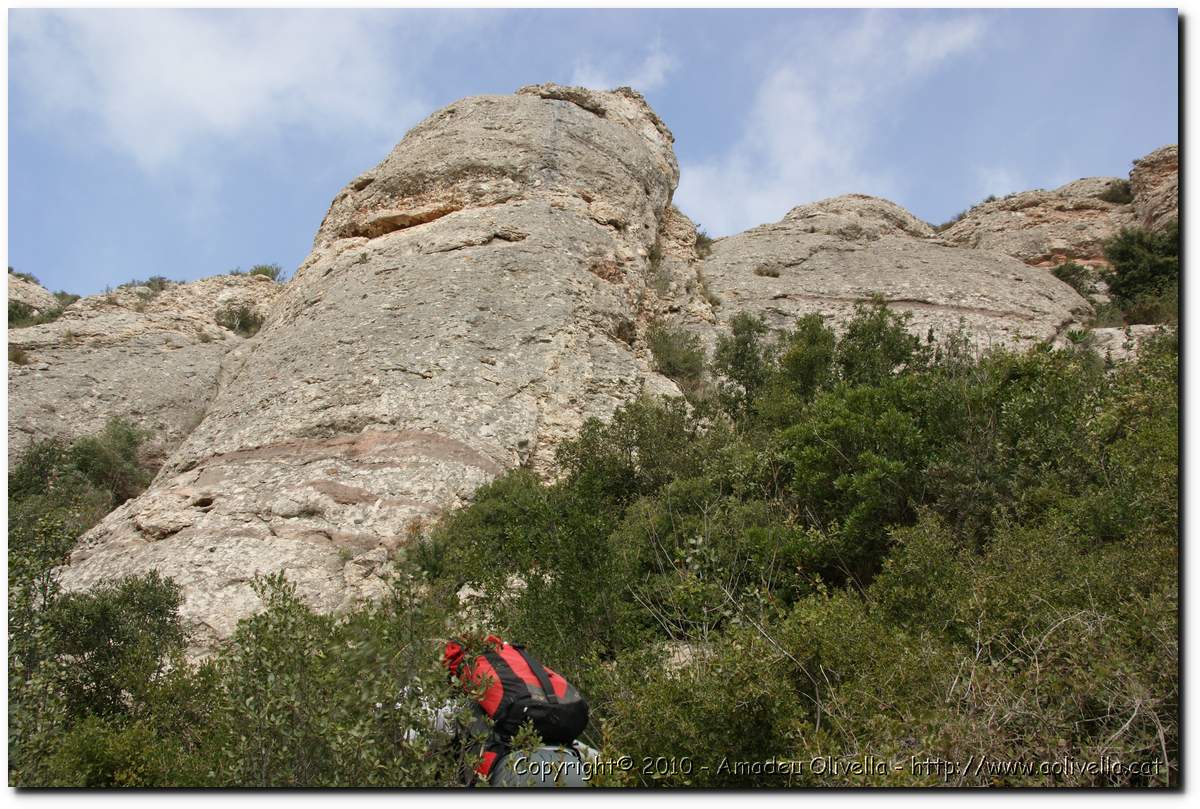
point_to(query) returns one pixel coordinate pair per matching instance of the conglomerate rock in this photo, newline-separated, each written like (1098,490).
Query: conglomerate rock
(1072,222)
(151,357)
(35,296)
(1155,184)
(1046,228)
(832,256)
(467,304)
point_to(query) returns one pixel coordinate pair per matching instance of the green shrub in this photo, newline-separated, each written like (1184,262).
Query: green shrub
(704,243)
(25,276)
(678,354)
(240,319)
(743,358)
(155,283)
(1143,264)
(272,271)
(21,315)
(1119,192)
(876,344)
(1077,276)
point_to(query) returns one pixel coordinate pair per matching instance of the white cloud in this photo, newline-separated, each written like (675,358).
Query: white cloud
(156,84)
(645,76)
(813,117)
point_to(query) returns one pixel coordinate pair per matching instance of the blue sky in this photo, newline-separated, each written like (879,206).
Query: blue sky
(184,143)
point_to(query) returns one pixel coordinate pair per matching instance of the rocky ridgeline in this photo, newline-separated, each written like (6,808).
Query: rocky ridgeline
(35,296)
(467,304)
(1071,223)
(831,256)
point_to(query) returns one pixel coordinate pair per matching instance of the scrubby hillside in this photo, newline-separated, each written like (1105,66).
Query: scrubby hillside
(837,489)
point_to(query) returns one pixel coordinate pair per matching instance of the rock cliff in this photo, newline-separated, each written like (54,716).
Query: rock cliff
(467,304)
(152,357)
(1155,184)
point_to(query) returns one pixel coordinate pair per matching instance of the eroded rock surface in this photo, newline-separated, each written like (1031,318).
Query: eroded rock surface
(1046,228)
(468,303)
(153,358)
(35,296)
(1155,183)
(833,255)
(1072,222)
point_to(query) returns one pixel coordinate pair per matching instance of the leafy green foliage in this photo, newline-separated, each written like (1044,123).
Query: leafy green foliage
(1077,276)
(678,354)
(1144,266)
(867,545)
(240,319)
(272,271)
(1119,192)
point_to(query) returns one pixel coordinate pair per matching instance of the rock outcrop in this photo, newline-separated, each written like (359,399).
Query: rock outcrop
(151,357)
(1155,184)
(467,304)
(1072,222)
(833,255)
(35,296)
(1046,228)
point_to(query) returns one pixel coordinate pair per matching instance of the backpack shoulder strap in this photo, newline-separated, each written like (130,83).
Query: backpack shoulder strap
(540,673)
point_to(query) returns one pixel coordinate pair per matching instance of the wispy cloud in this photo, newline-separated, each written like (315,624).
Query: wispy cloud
(155,85)
(814,116)
(647,74)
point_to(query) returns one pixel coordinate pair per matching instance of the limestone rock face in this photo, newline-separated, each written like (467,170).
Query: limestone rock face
(1155,182)
(832,255)
(153,358)
(467,304)
(35,296)
(1046,228)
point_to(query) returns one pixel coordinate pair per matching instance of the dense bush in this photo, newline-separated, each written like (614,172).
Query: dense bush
(272,271)
(240,318)
(865,545)
(678,355)
(1144,266)
(1119,192)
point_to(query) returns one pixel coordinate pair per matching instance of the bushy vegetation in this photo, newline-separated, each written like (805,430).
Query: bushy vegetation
(1143,276)
(272,271)
(858,545)
(240,319)
(1119,192)
(30,277)
(155,283)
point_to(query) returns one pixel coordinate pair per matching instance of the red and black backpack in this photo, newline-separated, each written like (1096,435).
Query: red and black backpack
(517,689)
